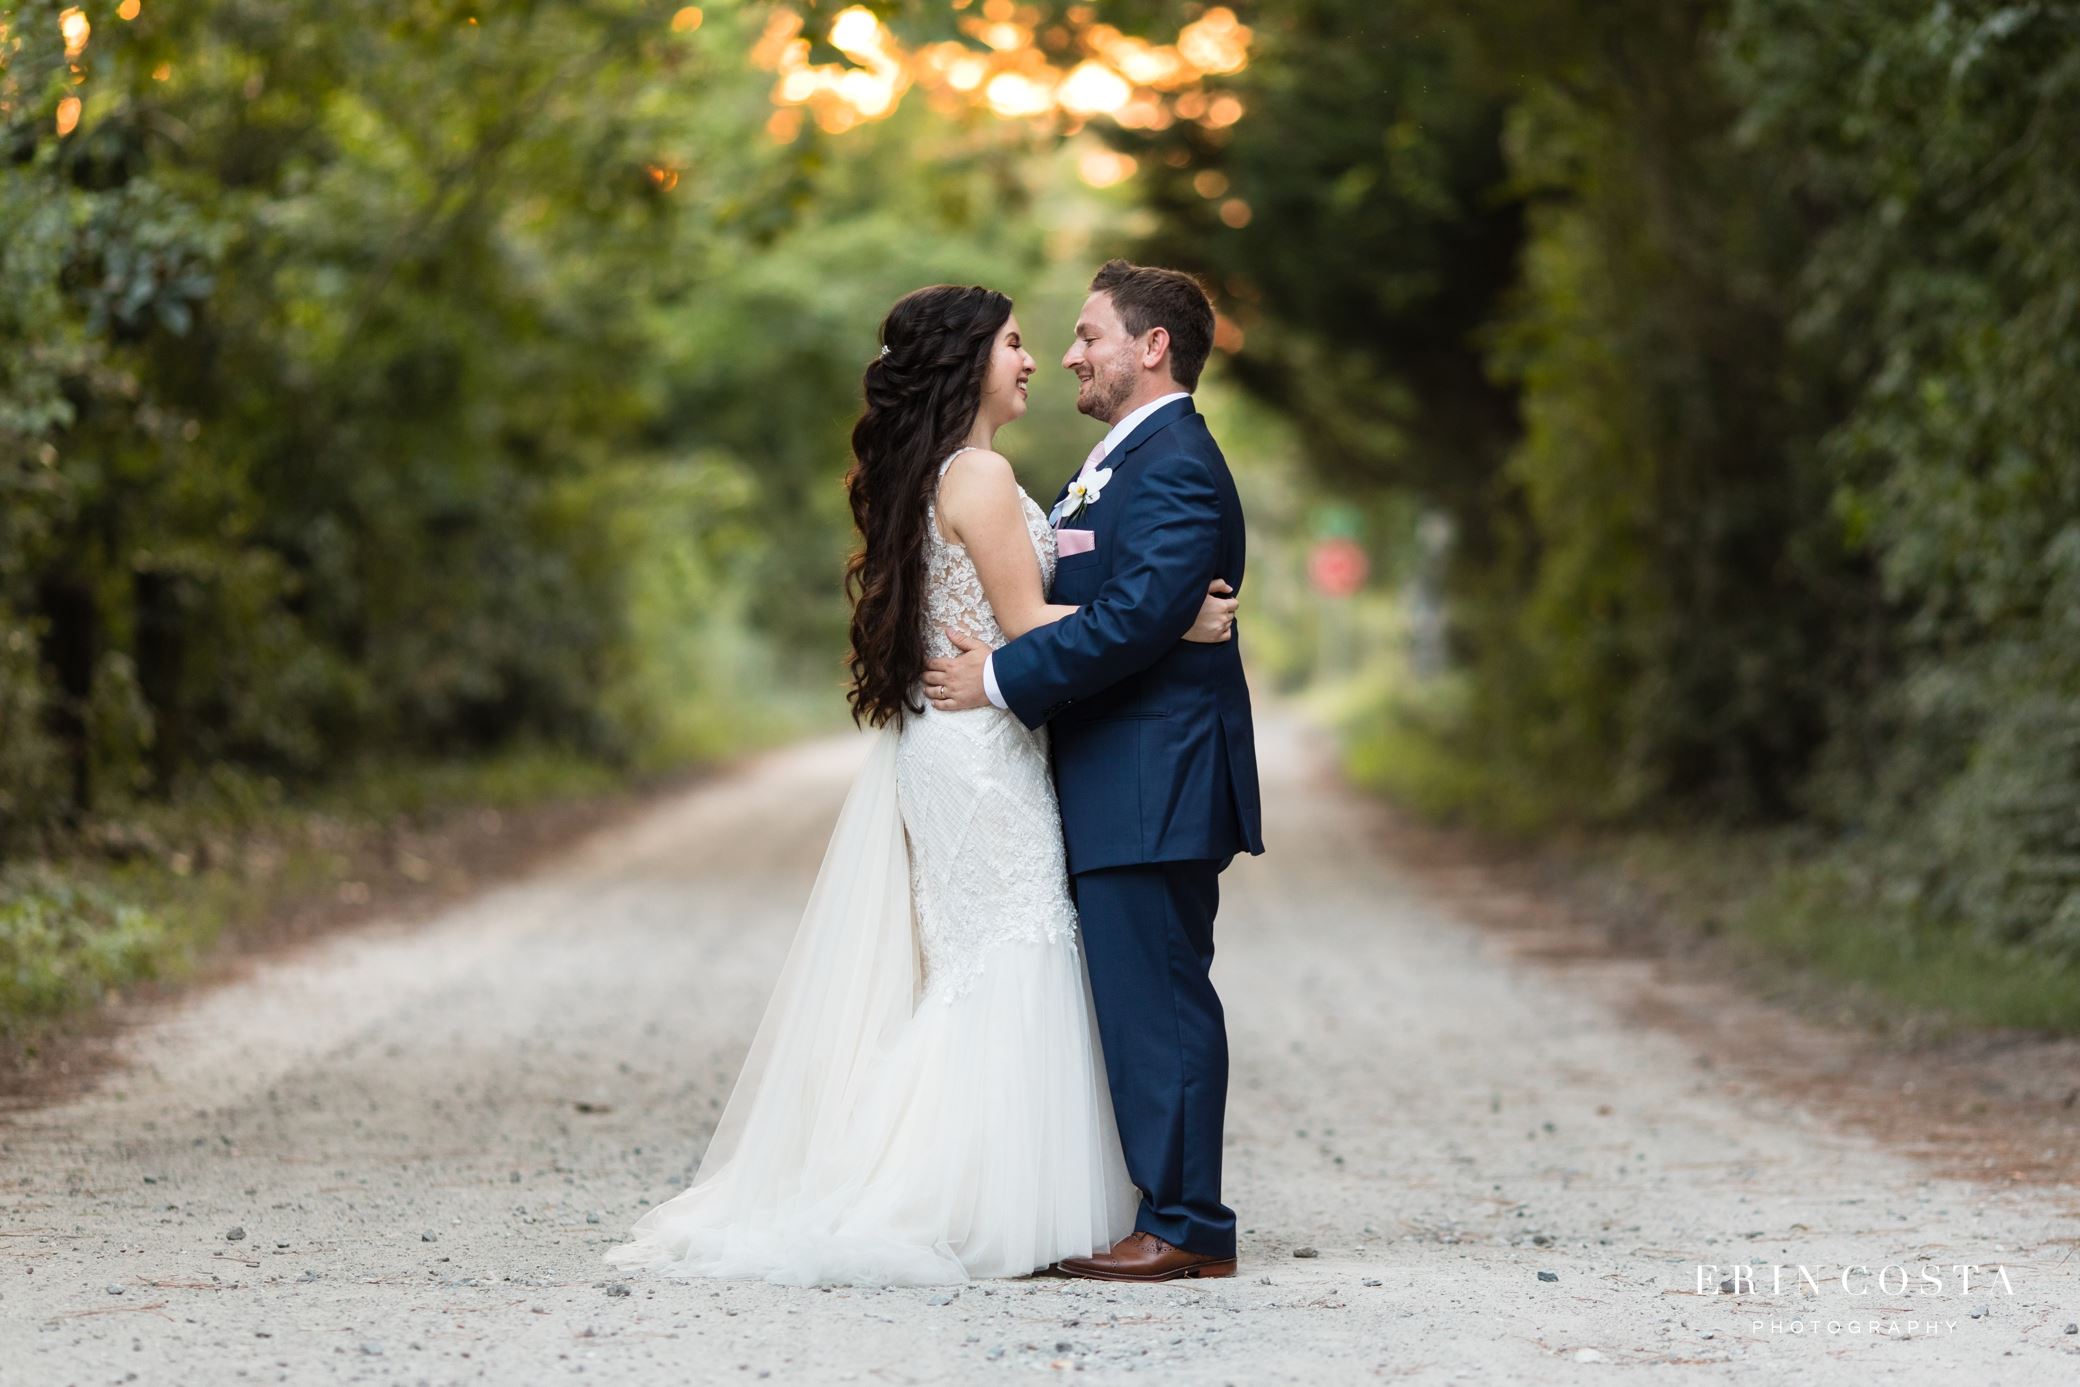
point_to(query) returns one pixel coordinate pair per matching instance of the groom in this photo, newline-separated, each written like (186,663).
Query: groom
(1154,755)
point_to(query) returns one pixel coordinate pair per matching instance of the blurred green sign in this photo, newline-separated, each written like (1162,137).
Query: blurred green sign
(1338,521)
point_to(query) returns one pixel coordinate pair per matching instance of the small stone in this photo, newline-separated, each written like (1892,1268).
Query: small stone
(429,1236)
(1305,1252)
(1549,1276)
(114,1289)
(592,1218)
(1587,1355)
(371,1347)
(944,1298)
(1372,1281)
(618,1289)
(235,1235)
(2073,1329)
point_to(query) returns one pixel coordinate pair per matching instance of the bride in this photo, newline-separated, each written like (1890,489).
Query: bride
(925,1099)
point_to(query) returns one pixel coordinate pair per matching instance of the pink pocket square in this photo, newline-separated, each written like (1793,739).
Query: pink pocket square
(1068,542)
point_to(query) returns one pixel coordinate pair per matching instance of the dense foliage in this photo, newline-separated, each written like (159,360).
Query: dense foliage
(317,330)
(1940,290)
(421,385)
(1737,343)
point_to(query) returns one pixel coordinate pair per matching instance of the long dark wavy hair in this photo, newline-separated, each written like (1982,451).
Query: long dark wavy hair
(921,396)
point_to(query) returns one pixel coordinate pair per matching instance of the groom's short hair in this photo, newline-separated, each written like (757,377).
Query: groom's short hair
(1149,296)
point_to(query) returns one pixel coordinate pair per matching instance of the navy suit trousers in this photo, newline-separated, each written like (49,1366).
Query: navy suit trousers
(1148,939)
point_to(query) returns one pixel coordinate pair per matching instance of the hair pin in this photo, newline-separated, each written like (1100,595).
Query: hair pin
(884,349)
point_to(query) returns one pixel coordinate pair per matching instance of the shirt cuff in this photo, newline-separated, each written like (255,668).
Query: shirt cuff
(989,682)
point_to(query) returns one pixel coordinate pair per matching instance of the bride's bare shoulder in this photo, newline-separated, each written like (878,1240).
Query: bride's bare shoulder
(979,468)
(978,481)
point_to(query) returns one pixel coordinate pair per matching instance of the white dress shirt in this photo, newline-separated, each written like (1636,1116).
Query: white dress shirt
(1111,441)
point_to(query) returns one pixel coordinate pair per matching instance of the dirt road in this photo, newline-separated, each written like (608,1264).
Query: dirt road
(397,1156)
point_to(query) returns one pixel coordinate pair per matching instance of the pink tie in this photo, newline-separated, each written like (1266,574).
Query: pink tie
(1090,464)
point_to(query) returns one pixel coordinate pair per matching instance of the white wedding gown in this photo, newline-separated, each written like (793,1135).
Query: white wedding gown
(925,1100)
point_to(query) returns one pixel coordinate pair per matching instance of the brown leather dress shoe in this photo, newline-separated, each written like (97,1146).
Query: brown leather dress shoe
(1143,1256)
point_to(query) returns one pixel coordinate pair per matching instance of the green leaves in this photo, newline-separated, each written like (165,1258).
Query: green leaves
(63,943)
(304,324)
(1766,495)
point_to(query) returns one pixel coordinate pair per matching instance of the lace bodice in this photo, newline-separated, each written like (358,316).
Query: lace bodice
(953,590)
(978,799)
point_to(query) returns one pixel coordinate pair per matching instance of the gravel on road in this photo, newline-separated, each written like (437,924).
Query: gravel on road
(396,1155)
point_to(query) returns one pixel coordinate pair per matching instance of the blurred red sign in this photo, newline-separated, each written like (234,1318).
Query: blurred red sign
(1337,566)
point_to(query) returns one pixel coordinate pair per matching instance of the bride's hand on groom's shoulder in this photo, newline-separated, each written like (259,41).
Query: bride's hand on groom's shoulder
(1216,621)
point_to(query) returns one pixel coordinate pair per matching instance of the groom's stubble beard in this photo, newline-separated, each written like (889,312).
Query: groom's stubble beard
(1105,395)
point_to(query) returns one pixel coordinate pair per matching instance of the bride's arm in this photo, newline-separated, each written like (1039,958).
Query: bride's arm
(979,507)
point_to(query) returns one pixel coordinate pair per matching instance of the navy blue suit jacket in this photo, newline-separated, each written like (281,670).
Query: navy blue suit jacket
(1154,751)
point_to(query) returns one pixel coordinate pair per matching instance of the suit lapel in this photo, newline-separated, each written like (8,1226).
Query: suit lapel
(1148,428)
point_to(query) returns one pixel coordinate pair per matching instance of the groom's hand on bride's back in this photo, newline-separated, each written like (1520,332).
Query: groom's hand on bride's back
(954,684)
(1216,621)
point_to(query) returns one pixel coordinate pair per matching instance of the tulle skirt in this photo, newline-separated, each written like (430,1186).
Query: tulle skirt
(877,1139)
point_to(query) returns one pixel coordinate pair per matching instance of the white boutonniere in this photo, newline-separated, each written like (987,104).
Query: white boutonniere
(1084,493)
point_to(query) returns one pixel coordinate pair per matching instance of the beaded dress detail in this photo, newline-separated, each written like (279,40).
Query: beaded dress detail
(978,798)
